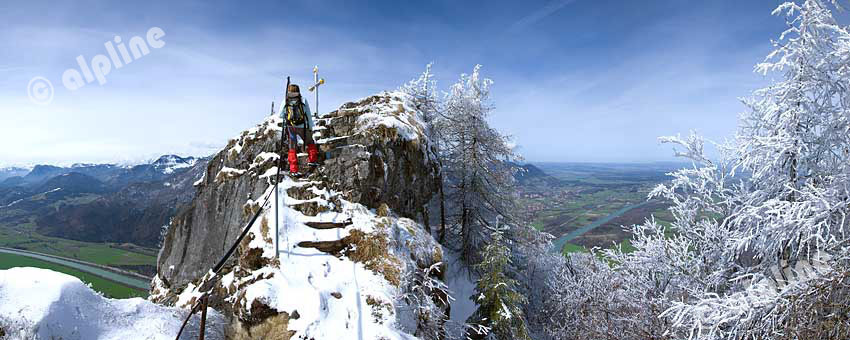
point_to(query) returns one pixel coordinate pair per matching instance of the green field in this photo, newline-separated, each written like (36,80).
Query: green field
(585,208)
(584,193)
(18,229)
(106,287)
(109,254)
(662,217)
(573,248)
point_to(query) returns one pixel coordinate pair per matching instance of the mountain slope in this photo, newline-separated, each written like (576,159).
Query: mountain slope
(100,202)
(24,204)
(134,214)
(43,172)
(12,172)
(158,170)
(352,262)
(74,182)
(531,174)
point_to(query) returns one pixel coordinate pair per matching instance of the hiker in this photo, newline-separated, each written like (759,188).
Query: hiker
(298,121)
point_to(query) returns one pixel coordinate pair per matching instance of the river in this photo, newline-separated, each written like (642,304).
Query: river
(559,243)
(127,280)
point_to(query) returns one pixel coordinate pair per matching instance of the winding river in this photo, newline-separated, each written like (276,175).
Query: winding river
(128,280)
(559,243)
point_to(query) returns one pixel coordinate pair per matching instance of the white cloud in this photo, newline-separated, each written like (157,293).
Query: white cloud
(615,109)
(540,14)
(196,92)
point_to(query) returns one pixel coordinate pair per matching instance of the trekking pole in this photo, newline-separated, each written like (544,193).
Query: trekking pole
(203,316)
(277,178)
(277,205)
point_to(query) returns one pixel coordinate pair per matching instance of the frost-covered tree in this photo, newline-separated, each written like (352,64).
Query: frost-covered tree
(423,95)
(767,257)
(612,295)
(534,261)
(478,178)
(760,245)
(476,161)
(499,302)
(426,296)
(786,229)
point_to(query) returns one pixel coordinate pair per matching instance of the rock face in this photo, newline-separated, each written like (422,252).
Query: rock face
(376,159)
(203,231)
(350,247)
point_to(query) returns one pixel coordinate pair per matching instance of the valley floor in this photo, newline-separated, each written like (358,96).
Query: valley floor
(586,205)
(122,256)
(107,281)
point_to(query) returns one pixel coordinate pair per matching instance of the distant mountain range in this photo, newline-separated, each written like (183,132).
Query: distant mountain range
(12,172)
(99,202)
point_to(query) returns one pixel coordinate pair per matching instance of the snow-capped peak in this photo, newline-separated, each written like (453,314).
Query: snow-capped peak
(169,163)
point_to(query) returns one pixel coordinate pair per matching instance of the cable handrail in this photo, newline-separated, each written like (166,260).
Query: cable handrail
(220,265)
(202,302)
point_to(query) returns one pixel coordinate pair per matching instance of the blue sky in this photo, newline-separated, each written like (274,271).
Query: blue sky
(577,81)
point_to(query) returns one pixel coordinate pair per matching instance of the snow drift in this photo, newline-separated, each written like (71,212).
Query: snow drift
(43,304)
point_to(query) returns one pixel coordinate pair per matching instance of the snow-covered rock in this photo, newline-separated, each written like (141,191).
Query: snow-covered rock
(42,304)
(379,153)
(353,262)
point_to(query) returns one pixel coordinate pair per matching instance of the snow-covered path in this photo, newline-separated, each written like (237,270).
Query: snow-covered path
(331,294)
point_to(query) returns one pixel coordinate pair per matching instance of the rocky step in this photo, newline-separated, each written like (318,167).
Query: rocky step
(343,153)
(301,193)
(333,143)
(329,225)
(310,208)
(330,247)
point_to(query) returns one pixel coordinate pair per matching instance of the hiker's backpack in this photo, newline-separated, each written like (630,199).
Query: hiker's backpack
(295,114)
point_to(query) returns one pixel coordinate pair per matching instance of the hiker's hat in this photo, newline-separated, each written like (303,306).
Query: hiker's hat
(293,91)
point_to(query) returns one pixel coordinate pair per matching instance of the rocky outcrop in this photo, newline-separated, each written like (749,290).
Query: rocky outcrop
(351,252)
(203,231)
(377,155)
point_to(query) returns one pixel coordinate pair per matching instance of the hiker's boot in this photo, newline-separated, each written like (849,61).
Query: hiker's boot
(313,155)
(293,163)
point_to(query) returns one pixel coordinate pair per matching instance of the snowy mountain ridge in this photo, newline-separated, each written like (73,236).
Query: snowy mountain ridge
(13,171)
(169,163)
(353,262)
